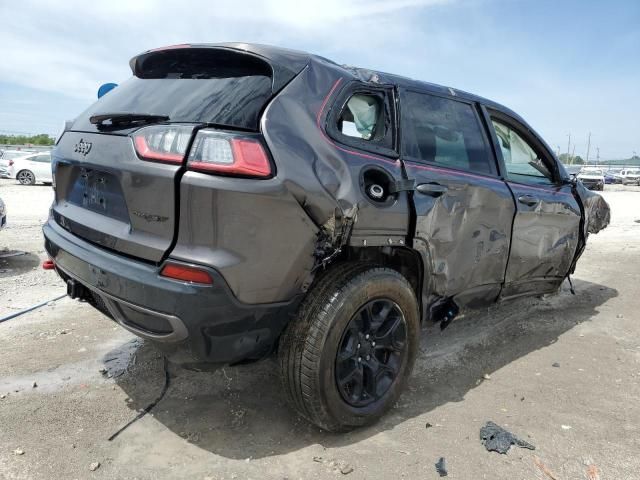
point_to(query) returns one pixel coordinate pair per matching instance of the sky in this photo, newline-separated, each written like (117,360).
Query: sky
(567,66)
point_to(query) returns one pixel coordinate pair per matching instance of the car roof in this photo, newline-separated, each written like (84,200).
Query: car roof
(32,154)
(296,60)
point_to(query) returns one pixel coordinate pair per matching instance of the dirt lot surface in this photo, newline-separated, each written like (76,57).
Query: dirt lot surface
(562,373)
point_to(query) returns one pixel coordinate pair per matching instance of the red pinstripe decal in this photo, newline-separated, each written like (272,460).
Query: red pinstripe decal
(411,165)
(542,189)
(452,172)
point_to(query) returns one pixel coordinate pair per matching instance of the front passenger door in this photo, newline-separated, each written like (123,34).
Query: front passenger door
(547,221)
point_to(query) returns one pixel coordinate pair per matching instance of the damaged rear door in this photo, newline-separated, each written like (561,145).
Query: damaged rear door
(464,211)
(547,221)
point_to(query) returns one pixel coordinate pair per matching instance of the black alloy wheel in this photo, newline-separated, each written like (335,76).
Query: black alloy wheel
(371,352)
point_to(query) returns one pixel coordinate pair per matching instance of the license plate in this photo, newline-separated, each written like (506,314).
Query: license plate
(99,192)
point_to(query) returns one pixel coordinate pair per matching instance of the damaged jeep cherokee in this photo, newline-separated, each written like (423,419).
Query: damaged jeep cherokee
(229,201)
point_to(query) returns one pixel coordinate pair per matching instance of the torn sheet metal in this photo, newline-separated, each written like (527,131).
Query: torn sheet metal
(497,439)
(597,211)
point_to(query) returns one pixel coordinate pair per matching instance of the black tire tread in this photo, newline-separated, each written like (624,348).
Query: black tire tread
(299,355)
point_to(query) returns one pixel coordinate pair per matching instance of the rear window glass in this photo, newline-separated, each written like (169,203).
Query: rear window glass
(208,87)
(445,132)
(359,118)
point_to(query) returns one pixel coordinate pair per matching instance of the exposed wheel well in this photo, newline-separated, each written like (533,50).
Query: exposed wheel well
(405,261)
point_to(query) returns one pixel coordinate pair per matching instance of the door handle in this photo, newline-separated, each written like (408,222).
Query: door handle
(432,189)
(529,200)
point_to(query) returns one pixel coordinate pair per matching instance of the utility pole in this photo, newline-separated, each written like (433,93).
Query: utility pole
(588,148)
(597,155)
(569,150)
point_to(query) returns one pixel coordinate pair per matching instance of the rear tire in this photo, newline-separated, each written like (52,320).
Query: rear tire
(347,356)
(26,177)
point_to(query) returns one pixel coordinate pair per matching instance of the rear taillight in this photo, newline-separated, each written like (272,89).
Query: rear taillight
(11,163)
(163,143)
(231,154)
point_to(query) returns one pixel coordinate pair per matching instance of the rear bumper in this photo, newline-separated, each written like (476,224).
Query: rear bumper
(193,324)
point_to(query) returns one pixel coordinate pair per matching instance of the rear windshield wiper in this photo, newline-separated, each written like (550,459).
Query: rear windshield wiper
(121,120)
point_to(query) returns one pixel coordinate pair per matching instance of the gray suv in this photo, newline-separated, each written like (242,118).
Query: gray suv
(230,201)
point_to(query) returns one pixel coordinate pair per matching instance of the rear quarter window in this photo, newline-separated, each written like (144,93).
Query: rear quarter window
(364,117)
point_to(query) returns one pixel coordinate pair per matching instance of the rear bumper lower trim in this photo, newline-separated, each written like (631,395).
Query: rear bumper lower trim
(179,330)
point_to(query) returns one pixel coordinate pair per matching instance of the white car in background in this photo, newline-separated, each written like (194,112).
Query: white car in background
(630,176)
(32,168)
(592,178)
(5,159)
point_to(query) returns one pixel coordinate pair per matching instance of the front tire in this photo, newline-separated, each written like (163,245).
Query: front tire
(347,356)
(26,177)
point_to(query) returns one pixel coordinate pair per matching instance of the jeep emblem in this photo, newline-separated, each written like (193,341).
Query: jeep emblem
(82,147)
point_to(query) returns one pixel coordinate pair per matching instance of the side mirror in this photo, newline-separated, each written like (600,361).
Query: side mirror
(106,88)
(572,180)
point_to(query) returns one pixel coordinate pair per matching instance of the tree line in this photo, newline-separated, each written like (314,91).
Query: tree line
(40,139)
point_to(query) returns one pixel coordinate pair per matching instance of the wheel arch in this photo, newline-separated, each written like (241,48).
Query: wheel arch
(408,262)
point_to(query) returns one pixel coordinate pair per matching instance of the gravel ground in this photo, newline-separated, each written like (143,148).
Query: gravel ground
(562,373)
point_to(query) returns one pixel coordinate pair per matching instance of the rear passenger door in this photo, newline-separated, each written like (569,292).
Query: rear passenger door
(546,225)
(464,211)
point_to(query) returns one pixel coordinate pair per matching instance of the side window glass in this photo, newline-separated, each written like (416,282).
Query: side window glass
(521,161)
(43,158)
(445,132)
(361,118)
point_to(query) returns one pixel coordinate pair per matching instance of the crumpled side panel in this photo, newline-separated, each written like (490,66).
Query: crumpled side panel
(467,230)
(545,235)
(597,210)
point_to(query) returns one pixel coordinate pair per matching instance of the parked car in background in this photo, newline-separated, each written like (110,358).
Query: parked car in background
(3,214)
(7,155)
(32,168)
(612,177)
(4,173)
(234,200)
(630,176)
(592,178)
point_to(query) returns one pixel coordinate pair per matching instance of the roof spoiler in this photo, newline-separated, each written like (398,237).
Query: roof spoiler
(284,64)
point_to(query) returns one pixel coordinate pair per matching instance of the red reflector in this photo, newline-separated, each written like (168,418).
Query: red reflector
(186,274)
(48,265)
